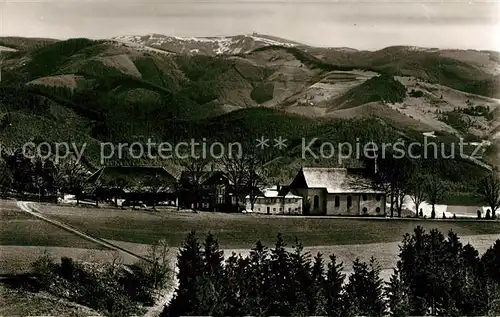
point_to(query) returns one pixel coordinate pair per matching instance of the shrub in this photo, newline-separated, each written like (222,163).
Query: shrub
(456,120)
(98,287)
(44,269)
(157,268)
(416,93)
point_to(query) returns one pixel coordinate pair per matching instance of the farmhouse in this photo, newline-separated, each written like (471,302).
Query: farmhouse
(337,191)
(215,191)
(146,184)
(276,200)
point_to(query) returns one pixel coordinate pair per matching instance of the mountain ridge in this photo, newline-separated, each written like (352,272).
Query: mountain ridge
(113,91)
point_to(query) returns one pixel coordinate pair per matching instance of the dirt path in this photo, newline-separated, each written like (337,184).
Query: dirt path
(27,207)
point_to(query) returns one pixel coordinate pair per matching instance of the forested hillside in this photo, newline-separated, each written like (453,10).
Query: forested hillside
(88,91)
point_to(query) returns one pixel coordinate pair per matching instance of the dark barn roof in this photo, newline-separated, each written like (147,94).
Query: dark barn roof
(134,173)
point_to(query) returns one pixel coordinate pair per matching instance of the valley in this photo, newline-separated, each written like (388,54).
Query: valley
(227,87)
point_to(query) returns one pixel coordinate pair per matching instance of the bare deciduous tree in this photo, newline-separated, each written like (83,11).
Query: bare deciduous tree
(417,191)
(196,169)
(257,176)
(392,177)
(71,177)
(236,171)
(157,266)
(489,190)
(435,191)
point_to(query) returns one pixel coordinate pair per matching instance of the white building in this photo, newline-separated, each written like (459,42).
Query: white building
(336,191)
(276,200)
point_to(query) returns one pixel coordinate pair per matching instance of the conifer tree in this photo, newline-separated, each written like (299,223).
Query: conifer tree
(190,264)
(333,287)
(280,289)
(375,291)
(212,291)
(397,296)
(234,282)
(301,280)
(412,270)
(256,294)
(318,299)
(364,290)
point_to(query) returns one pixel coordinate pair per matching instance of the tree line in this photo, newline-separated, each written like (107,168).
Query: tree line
(435,275)
(22,173)
(399,178)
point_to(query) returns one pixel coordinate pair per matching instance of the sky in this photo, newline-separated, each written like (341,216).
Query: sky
(344,23)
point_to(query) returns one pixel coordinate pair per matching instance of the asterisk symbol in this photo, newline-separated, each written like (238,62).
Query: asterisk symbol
(280,142)
(262,142)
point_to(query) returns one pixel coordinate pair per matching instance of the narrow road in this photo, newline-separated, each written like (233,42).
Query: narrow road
(27,207)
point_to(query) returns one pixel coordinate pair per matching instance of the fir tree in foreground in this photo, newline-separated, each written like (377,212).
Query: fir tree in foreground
(435,275)
(333,287)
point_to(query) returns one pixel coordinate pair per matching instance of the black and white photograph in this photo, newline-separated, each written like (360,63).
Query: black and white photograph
(164,158)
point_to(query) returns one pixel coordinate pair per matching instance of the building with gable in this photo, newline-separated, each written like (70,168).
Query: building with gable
(337,191)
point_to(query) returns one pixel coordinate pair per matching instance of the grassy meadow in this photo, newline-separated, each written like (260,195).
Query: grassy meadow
(20,228)
(242,231)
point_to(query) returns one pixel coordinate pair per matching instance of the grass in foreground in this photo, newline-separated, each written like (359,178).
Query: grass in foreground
(16,303)
(20,228)
(242,231)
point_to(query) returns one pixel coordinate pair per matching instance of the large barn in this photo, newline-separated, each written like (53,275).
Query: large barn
(146,184)
(336,191)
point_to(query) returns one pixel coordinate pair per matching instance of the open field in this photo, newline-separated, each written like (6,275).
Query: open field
(242,231)
(20,228)
(133,230)
(17,259)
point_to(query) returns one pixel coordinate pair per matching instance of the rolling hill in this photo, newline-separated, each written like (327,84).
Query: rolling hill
(167,88)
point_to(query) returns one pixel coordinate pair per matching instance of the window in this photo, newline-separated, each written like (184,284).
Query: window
(365,210)
(377,197)
(365,198)
(316,202)
(274,209)
(281,209)
(289,209)
(258,209)
(220,199)
(377,210)
(349,202)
